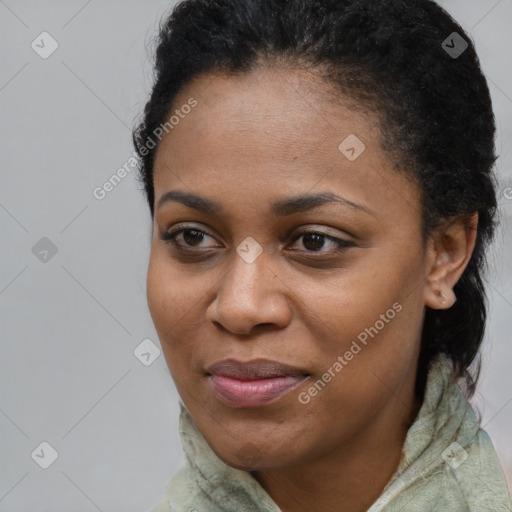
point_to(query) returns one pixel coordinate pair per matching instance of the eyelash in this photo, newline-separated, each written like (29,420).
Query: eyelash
(170,238)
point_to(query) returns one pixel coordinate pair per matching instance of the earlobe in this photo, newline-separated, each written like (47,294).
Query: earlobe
(439,295)
(436,288)
(446,298)
(451,251)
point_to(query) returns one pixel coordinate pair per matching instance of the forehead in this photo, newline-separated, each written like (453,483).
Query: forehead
(294,105)
(271,131)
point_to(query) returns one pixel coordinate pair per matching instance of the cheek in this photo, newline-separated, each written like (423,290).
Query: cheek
(337,310)
(170,292)
(167,302)
(174,302)
(370,321)
(157,291)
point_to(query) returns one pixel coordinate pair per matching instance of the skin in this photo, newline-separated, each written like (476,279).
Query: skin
(252,140)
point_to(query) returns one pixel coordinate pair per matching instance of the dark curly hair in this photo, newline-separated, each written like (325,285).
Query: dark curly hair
(435,111)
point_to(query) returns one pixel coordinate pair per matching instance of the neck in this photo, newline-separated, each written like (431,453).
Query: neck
(351,477)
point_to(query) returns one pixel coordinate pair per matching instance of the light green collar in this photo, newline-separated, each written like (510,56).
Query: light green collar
(444,431)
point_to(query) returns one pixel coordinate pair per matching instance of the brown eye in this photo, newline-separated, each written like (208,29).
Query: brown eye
(185,237)
(314,241)
(192,237)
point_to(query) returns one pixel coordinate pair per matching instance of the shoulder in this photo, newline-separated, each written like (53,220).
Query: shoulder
(467,478)
(477,472)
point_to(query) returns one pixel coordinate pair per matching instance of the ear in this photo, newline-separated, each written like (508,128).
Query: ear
(449,250)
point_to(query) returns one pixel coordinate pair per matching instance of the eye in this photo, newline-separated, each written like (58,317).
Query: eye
(185,238)
(314,241)
(188,238)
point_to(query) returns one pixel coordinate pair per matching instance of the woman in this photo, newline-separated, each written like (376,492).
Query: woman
(319,176)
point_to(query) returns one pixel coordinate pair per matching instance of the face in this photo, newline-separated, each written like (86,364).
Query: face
(284,248)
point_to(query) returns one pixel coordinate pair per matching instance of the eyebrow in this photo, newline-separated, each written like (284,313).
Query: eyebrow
(281,208)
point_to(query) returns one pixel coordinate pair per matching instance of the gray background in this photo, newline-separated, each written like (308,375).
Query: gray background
(70,324)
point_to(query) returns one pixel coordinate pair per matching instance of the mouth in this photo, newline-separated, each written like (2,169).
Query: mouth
(254,383)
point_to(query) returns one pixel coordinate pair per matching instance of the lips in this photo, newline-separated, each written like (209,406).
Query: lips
(254,383)
(254,370)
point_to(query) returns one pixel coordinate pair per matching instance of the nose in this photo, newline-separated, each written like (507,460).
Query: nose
(250,296)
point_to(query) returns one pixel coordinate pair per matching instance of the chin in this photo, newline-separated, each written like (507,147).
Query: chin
(250,457)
